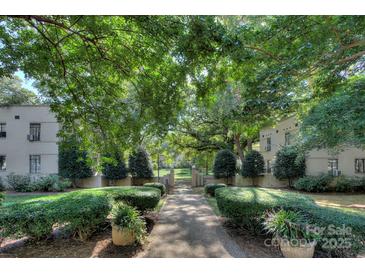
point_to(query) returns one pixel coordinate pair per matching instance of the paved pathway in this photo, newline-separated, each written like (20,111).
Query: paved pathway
(188,228)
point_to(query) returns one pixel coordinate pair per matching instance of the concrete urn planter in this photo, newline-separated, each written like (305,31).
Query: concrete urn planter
(302,250)
(122,236)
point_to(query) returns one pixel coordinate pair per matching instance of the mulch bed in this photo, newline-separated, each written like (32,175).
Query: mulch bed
(252,244)
(98,246)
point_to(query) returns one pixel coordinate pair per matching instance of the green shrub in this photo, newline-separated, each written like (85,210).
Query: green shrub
(82,212)
(33,219)
(314,183)
(350,184)
(72,161)
(2,186)
(289,164)
(125,216)
(1,198)
(20,183)
(159,186)
(289,225)
(115,168)
(210,188)
(224,164)
(246,206)
(142,198)
(140,165)
(51,183)
(253,165)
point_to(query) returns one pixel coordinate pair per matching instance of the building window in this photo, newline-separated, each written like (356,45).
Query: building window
(287,138)
(2,162)
(333,167)
(268,166)
(34,164)
(359,165)
(2,130)
(35,132)
(268,144)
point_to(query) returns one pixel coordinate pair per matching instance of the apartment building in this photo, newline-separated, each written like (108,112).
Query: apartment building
(28,140)
(350,161)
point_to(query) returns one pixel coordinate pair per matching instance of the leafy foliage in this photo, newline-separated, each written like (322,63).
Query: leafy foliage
(140,164)
(20,183)
(289,164)
(79,212)
(51,183)
(348,114)
(210,188)
(224,164)
(253,164)
(72,161)
(2,186)
(350,184)
(125,216)
(159,186)
(142,198)
(314,183)
(12,92)
(247,206)
(115,169)
(287,224)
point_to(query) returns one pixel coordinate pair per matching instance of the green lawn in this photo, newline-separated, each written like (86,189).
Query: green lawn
(180,173)
(11,198)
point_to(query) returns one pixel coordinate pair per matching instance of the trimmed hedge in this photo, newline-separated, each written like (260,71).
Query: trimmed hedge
(314,183)
(79,212)
(159,186)
(210,188)
(142,198)
(350,184)
(246,206)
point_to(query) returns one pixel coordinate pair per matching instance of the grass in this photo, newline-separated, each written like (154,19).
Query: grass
(15,198)
(11,198)
(349,201)
(180,173)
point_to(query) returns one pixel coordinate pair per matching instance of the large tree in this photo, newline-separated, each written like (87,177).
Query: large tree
(338,120)
(13,93)
(117,79)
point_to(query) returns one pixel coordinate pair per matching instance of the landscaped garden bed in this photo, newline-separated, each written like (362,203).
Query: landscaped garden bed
(59,225)
(245,208)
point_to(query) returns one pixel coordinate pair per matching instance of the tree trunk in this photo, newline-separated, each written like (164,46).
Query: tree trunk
(239,147)
(249,144)
(206,165)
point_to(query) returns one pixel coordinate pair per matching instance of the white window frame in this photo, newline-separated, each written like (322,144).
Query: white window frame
(32,160)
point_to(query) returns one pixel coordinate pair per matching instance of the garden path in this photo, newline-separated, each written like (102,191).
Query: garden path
(188,228)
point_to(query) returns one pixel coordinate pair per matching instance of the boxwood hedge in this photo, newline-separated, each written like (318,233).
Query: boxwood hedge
(246,206)
(80,212)
(159,186)
(210,188)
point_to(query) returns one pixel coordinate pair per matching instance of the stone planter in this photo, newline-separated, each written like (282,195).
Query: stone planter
(302,250)
(122,236)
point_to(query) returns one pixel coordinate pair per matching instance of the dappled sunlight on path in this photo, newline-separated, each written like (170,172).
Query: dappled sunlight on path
(188,228)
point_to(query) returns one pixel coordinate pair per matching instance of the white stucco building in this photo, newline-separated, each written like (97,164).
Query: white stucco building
(28,140)
(350,161)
